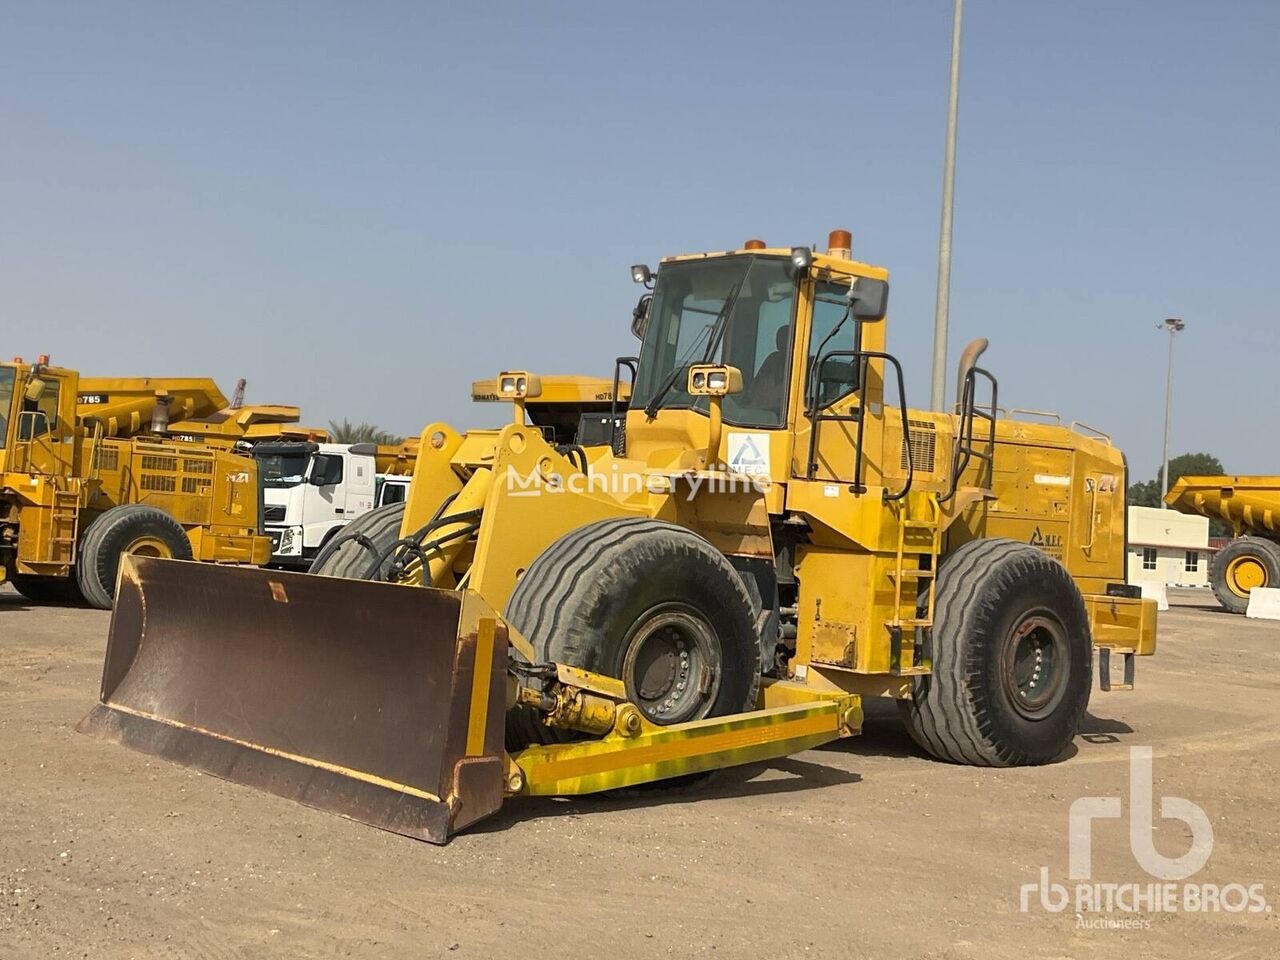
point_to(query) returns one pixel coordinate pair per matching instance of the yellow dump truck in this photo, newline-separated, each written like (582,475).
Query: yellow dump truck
(1251,505)
(74,498)
(771,537)
(190,409)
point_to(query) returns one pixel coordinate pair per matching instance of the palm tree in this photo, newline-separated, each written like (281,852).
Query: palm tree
(348,432)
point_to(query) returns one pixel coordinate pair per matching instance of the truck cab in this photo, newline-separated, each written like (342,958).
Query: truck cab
(310,491)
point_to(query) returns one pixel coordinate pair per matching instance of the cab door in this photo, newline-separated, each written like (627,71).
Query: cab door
(44,434)
(828,382)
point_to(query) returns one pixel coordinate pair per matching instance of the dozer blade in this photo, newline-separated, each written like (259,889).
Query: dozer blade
(379,702)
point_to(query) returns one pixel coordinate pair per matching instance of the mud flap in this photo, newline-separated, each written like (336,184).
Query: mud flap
(378,702)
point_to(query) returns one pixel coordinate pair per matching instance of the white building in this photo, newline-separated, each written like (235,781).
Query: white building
(1168,547)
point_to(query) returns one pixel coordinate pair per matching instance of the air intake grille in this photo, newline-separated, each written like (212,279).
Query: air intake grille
(923,439)
(158,483)
(159,463)
(109,458)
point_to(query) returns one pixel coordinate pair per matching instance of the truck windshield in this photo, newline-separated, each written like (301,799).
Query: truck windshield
(282,469)
(734,310)
(6,401)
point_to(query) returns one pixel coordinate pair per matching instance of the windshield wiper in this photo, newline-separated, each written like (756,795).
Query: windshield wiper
(817,360)
(716,331)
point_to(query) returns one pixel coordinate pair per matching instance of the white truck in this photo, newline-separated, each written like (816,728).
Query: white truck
(312,490)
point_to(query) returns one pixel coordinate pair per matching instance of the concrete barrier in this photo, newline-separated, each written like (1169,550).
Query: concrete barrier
(1159,592)
(1264,604)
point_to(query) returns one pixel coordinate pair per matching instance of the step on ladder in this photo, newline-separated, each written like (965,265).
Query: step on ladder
(909,658)
(64,523)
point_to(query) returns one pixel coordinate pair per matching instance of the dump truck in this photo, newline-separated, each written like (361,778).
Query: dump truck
(1251,505)
(191,409)
(74,498)
(572,410)
(773,537)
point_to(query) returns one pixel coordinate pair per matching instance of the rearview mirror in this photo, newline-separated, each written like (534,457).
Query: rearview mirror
(640,316)
(321,467)
(869,299)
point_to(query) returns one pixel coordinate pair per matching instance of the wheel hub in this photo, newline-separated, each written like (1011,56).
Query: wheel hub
(1035,666)
(670,667)
(1245,574)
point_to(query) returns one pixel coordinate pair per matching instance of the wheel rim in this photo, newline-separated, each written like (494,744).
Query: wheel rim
(671,667)
(148,547)
(1244,574)
(1035,665)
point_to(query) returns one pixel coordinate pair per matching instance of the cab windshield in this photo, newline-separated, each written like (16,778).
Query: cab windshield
(732,310)
(6,402)
(282,469)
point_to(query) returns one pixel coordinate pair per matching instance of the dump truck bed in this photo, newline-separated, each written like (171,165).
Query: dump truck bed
(1249,504)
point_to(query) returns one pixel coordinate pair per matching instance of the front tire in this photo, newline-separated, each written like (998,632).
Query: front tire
(353,549)
(135,529)
(1012,659)
(647,602)
(1239,567)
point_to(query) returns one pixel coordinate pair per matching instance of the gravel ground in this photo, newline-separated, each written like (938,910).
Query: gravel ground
(861,849)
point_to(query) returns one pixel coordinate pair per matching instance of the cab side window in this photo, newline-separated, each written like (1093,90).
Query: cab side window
(332,470)
(40,419)
(833,331)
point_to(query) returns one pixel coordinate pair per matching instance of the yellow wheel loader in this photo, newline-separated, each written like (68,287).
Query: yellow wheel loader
(75,496)
(767,536)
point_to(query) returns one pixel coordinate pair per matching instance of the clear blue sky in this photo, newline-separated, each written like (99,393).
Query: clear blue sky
(363,207)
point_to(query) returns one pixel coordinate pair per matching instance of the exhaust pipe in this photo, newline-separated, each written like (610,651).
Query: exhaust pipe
(160,416)
(968,360)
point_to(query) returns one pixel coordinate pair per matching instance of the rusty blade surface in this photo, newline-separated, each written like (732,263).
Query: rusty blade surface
(350,696)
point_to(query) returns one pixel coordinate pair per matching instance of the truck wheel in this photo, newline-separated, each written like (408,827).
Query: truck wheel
(135,529)
(47,589)
(650,603)
(351,552)
(1012,659)
(1244,563)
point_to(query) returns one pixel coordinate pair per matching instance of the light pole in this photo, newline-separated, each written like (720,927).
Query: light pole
(1173,325)
(938,387)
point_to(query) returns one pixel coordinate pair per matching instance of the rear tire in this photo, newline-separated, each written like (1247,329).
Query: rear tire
(1244,563)
(350,553)
(1012,659)
(650,603)
(47,589)
(135,529)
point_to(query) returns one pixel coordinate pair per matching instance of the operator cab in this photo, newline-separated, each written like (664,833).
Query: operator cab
(748,309)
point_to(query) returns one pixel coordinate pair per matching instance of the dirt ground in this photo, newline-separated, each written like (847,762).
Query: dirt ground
(862,849)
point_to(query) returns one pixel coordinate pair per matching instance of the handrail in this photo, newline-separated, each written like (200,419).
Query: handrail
(1080,426)
(862,357)
(964,450)
(1047,414)
(956,409)
(95,450)
(632,364)
(1093,518)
